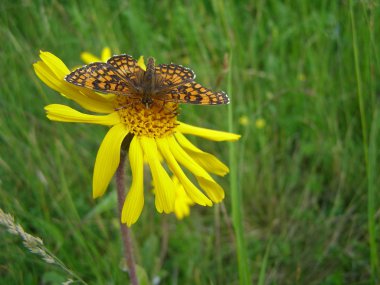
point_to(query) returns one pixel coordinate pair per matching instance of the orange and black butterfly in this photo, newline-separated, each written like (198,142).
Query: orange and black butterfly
(122,75)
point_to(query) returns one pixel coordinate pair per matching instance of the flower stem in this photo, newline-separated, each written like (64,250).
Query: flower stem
(125,231)
(236,197)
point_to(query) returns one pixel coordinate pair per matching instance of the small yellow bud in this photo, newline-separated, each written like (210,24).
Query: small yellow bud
(244,120)
(260,123)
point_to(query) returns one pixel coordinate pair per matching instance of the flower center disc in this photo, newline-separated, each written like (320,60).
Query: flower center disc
(156,121)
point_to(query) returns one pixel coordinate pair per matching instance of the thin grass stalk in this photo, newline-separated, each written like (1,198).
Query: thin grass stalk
(264,264)
(372,188)
(374,258)
(236,197)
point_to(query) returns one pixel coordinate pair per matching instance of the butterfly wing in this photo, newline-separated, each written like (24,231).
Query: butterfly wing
(121,75)
(100,77)
(127,67)
(195,93)
(171,75)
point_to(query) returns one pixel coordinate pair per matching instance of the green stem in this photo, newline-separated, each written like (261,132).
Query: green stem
(236,196)
(125,231)
(371,195)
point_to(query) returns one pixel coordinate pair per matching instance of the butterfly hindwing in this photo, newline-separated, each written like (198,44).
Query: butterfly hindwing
(172,75)
(100,77)
(195,93)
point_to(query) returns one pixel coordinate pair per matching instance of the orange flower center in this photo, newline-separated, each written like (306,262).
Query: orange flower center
(156,121)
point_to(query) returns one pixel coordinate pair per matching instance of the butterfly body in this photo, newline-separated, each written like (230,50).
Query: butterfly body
(121,75)
(148,83)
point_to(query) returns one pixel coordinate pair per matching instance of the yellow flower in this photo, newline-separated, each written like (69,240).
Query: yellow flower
(89,57)
(156,134)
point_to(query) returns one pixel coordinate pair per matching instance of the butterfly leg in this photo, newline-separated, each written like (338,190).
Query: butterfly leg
(124,106)
(164,107)
(127,105)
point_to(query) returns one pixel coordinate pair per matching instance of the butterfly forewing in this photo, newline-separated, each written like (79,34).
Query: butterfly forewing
(100,77)
(172,75)
(127,67)
(194,93)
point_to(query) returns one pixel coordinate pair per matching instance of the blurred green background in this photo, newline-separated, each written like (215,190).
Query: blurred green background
(309,71)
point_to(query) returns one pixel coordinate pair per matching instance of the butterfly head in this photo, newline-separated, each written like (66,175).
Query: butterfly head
(147,101)
(150,64)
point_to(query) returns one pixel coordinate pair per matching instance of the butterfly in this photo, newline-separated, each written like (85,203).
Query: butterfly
(121,75)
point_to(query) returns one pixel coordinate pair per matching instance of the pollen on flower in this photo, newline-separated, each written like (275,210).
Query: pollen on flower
(157,121)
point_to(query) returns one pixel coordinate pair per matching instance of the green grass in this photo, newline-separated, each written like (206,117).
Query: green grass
(308,179)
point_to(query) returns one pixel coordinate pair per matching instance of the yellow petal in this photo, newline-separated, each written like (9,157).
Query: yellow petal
(87,57)
(134,202)
(93,104)
(93,101)
(107,159)
(208,161)
(48,77)
(194,193)
(212,189)
(207,133)
(164,187)
(181,210)
(182,201)
(106,54)
(141,63)
(56,64)
(63,113)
